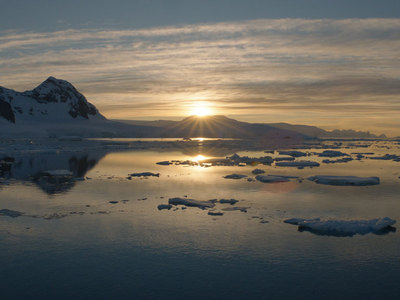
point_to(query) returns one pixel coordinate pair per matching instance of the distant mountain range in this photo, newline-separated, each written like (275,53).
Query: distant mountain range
(56,108)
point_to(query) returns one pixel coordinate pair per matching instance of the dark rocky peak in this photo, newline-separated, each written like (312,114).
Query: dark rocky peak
(54,90)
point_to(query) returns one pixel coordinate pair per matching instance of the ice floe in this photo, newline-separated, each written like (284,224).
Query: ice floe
(164,206)
(242,209)
(271,178)
(257,171)
(10,213)
(344,180)
(293,153)
(215,213)
(297,164)
(145,174)
(191,203)
(342,227)
(335,161)
(230,201)
(235,176)
(332,153)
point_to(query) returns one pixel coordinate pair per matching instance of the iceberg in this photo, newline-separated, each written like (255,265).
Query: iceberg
(343,227)
(344,180)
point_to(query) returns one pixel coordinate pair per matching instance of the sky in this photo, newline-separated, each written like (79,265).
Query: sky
(329,63)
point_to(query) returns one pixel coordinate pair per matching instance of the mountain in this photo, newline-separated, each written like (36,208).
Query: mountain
(52,100)
(55,108)
(223,127)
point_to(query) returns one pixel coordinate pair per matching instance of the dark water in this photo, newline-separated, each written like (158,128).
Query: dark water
(72,242)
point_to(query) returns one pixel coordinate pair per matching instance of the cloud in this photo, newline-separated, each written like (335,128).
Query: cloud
(259,67)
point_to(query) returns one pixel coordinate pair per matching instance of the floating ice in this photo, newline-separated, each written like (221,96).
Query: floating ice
(144,174)
(342,227)
(230,201)
(242,209)
(332,153)
(344,180)
(271,179)
(287,158)
(257,171)
(191,203)
(10,213)
(387,157)
(235,176)
(164,163)
(215,213)
(297,164)
(293,153)
(57,173)
(340,160)
(164,206)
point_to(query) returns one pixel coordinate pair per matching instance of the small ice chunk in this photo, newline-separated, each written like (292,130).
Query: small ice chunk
(230,201)
(235,176)
(10,213)
(164,206)
(344,180)
(242,209)
(57,173)
(297,164)
(215,213)
(340,160)
(144,174)
(164,163)
(258,171)
(191,203)
(332,153)
(287,158)
(342,227)
(293,153)
(271,179)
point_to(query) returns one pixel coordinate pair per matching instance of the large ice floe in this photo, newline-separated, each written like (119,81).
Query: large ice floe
(343,227)
(344,180)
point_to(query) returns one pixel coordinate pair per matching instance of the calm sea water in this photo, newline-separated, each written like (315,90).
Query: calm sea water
(72,242)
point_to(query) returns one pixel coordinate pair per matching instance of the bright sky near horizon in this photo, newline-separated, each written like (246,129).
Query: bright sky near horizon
(333,64)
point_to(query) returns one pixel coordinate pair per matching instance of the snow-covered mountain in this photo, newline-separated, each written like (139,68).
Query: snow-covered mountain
(53,100)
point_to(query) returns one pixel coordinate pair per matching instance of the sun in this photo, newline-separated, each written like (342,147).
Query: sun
(201,109)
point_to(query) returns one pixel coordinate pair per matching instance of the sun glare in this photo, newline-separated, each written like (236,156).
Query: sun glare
(201,109)
(199,158)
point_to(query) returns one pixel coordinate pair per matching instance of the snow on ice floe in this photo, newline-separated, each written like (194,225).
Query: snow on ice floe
(343,227)
(297,164)
(191,203)
(235,176)
(344,180)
